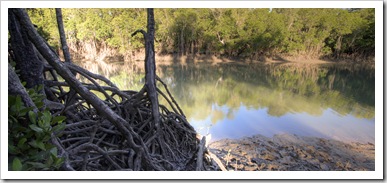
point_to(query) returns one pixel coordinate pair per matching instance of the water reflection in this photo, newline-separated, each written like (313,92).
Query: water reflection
(236,100)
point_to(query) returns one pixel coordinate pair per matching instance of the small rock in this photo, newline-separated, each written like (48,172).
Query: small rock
(283,153)
(313,161)
(310,149)
(325,156)
(348,166)
(293,155)
(249,163)
(251,168)
(286,160)
(321,159)
(254,160)
(339,164)
(301,153)
(289,148)
(324,167)
(237,167)
(262,166)
(269,157)
(272,167)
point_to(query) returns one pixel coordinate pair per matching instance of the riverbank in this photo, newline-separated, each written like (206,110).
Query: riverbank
(168,59)
(220,59)
(287,152)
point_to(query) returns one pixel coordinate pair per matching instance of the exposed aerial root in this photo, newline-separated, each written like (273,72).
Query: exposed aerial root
(91,142)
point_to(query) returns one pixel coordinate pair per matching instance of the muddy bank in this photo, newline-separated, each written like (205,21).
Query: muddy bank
(214,59)
(291,153)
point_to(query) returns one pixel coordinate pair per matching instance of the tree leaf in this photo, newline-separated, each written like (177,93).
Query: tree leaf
(58,162)
(33,144)
(39,104)
(12,119)
(32,116)
(18,103)
(46,117)
(54,151)
(21,142)
(40,145)
(40,87)
(11,100)
(37,144)
(49,161)
(58,119)
(59,128)
(25,110)
(36,128)
(12,149)
(16,164)
(37,165)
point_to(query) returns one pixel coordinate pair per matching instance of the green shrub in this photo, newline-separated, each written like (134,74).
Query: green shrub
(29,134)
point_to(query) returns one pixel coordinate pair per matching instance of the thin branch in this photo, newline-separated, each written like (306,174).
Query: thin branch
(139,31)
(62,35)
(170,95)
(86,72)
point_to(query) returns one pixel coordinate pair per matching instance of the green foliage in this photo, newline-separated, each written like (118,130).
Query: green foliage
(45,20)
(29,135)
(237,32)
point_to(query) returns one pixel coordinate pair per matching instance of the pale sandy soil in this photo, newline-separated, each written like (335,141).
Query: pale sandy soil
(287,152)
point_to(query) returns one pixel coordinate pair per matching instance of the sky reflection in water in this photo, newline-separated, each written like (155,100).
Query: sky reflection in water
(248,122)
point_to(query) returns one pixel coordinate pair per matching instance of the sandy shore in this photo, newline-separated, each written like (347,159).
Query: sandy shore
(291,153)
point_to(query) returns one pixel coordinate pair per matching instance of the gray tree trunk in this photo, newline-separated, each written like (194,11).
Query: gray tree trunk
(16,88)
(150,68)
(62,35)
(27,61)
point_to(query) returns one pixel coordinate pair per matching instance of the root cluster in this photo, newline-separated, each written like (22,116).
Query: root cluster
(91,142)
(120,130)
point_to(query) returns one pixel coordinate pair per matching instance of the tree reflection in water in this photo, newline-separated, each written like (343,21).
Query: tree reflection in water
(213,94)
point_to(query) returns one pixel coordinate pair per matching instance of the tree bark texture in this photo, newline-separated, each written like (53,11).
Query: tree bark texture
(15,88)
(150,67)
(71,95)
(27,61)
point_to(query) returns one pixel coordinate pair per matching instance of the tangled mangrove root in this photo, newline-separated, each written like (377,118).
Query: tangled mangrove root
(92,142)
(120,130)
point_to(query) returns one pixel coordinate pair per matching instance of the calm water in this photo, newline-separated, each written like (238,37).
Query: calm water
(238,100)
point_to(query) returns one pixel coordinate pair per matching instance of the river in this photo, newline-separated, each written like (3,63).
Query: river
(235,100)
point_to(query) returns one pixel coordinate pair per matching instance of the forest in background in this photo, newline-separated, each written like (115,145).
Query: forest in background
(309,33)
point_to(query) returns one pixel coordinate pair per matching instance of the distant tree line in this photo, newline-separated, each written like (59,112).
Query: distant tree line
(237,33)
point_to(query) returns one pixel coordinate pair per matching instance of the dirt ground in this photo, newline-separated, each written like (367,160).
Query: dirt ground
(287,152)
